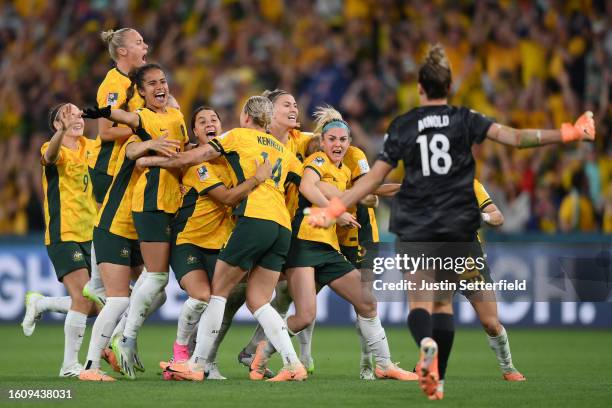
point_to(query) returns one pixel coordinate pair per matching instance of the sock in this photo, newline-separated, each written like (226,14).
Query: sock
(420,325)
(376,339)
(366,353)
(157,302)
(59,304)
(95,281)
(188,318)
(501,346)
(276,331)
(234,302)
(208,329)
(74,329)
(443,334)
(121,325)
(305,339)
(282,300)
(103,328)
(141,300)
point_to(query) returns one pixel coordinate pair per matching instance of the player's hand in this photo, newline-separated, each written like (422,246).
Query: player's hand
(325,217)
(371,201)
(348,220)
(263,171)
(96,113)
(164,146)
(583,129)
(67,117)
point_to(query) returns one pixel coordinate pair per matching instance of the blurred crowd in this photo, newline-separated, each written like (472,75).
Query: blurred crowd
(524,63)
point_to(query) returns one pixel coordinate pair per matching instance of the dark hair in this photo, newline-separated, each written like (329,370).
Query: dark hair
(275,94)
(137,78)
(52,116)
(435,74)
(200,109)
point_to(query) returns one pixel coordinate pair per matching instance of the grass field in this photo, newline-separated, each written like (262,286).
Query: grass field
(563,367)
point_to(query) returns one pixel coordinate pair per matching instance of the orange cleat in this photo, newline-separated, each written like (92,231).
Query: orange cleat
(427,367)
(583,129)
(325,217)
(95,375)
(109,357)
(295,372)
(257,369)
(182,371)
(394,372)
(514,376)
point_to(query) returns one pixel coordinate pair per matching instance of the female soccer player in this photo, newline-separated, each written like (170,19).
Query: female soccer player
(69,212)
(203,224)
(314,257)
(137,207)
(263,214)
(128,50)
(436,202)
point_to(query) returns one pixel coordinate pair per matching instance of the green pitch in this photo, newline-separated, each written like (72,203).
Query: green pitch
(563,368)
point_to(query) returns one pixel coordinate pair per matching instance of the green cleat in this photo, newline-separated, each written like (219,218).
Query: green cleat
(98,296)
(31,315)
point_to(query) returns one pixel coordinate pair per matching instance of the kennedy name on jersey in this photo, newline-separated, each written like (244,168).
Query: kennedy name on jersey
(266,141)
(433,121)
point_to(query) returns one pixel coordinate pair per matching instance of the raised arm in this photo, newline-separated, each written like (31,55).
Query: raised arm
(192,157)
(583,129)
(116,115)
(65,120)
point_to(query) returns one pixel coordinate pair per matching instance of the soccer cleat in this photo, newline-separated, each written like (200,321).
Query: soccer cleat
(439,394)
(182,371)
(109,357)
(245,358)
(394,372)
(72,371)
(295,372)
(31,316)
(124,350)
(259,363)
(95,375)
(96,295)
(213,372)
(180,352)
(427,367)
(366,373)
(514,376)
(309,364)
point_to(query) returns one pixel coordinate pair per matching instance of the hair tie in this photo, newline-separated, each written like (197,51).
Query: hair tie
(335,123)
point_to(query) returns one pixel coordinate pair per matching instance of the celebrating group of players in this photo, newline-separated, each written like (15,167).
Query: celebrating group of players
(228,216)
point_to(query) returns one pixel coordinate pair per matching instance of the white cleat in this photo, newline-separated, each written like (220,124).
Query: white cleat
(31,314)
(96,295)
(213,372)
(366,369)
(71,371)
(124,350)
(245,358)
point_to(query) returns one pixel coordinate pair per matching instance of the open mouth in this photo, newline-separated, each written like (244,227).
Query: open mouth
(337,152)
(292,116)
(160,97)
(78,126)
(211,133)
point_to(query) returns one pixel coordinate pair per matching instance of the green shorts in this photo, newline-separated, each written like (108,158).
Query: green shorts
(328,263)
(256,242)
(115,249)
(352,254)
(69,256)
(476,275)
(100,183)
(185,258)
(153,226)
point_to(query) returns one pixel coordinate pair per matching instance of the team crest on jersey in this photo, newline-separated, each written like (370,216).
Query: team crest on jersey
(77,256)
(202,173)
(191,260)
(112,98)
(319,161)
(124,253)
(364,167)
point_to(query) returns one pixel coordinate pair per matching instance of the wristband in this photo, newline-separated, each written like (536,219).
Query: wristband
(486,217)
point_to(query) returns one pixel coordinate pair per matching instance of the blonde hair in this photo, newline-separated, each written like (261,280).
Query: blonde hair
(324,115)
(259,108)
(115,40)
(435,73)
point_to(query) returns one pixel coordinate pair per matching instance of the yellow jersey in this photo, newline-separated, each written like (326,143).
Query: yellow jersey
(298,144)
(158,189)
(69,206)
(482,196)
(338,177)
(243,149)
(357,162)
(115,214)
(201,220)
(113,92)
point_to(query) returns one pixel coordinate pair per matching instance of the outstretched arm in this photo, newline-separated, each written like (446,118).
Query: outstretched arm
(189,158)
(116,115)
